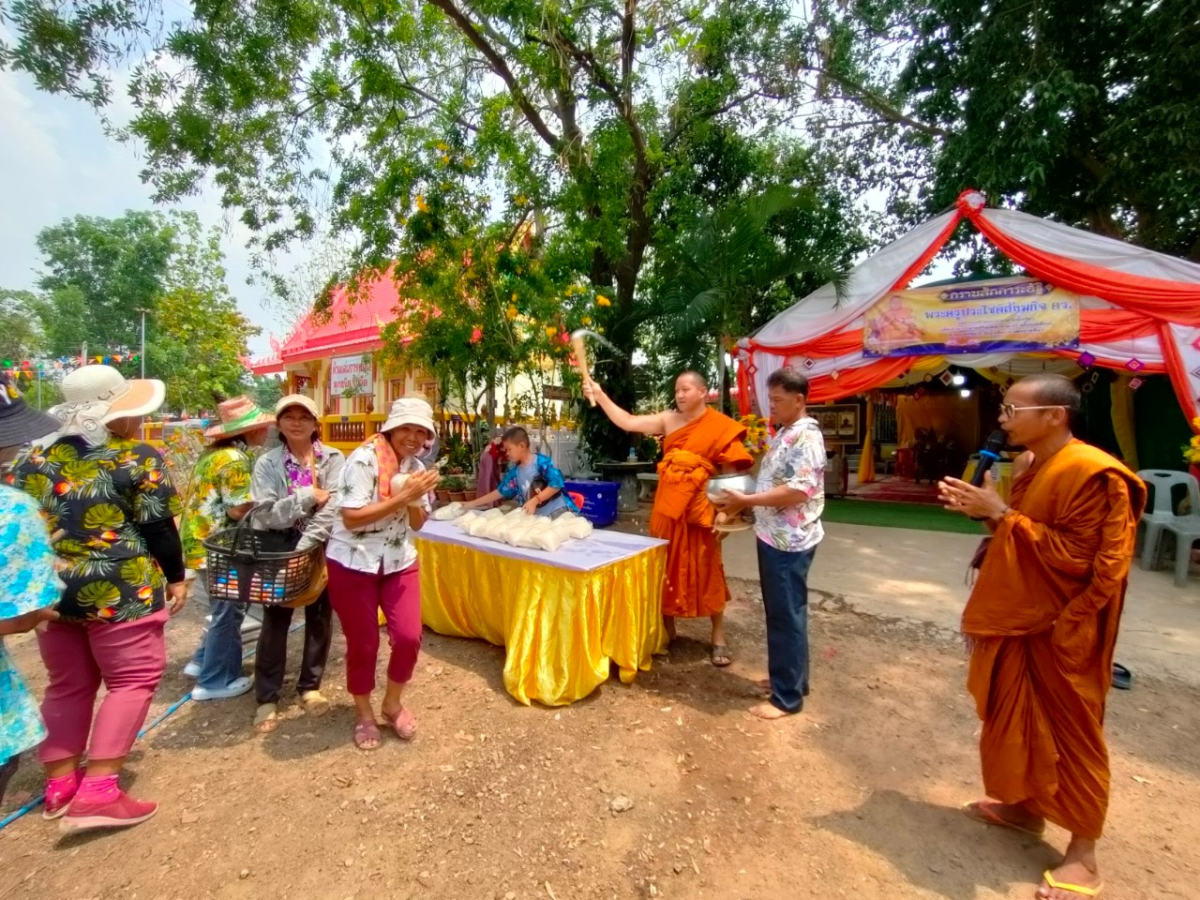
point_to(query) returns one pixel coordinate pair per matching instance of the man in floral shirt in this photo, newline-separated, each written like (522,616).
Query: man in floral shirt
(788,501)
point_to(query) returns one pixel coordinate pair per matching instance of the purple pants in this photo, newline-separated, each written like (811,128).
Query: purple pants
(357,598)
(128,657)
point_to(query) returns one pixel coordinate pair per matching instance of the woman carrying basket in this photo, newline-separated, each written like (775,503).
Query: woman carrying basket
(292,490)
(217,498)
(373,562)
(113,500)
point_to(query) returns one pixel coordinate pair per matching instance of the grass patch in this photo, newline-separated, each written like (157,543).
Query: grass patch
(915,516)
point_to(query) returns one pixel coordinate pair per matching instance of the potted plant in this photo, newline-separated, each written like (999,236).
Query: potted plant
(469,493)
(455,485)
(442,491)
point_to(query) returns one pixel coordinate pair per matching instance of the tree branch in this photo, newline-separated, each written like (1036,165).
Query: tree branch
(500,68)
(873,101)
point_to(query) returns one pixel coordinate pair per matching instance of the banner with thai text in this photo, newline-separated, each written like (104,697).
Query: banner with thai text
(1009,314)
(350,376)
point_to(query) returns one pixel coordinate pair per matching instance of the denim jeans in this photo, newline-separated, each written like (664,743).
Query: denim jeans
(219,655)
(784,579)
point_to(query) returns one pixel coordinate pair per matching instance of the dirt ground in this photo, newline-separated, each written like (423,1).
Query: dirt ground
(857,797)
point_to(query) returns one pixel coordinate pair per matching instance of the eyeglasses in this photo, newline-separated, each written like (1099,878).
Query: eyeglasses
(1008,410)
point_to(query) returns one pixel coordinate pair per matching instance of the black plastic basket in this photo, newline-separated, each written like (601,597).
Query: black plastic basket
(252,565)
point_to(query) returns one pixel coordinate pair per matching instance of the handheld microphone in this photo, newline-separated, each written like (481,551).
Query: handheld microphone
(989,455)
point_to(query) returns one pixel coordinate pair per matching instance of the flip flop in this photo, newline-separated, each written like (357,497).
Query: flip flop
(365,731)
(1071,888)
(721,651)
(982,811)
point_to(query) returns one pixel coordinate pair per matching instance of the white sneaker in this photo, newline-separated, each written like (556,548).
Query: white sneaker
(235,688)
(191,670)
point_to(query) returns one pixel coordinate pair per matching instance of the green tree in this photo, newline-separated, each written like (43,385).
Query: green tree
(1084,112)
(577,111)
(21,334)
(99,273)
(266,390)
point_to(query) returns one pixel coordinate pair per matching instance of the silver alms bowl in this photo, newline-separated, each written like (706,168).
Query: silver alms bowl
(718,483)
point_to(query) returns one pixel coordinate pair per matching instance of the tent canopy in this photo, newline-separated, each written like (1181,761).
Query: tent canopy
(1140,310)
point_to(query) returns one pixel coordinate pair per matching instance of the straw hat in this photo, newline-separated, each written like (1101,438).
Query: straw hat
(306,403)
(239,415)
(97,395)
(20,423)
(410,411)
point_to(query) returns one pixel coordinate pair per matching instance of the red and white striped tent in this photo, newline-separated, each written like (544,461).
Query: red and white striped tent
(1140,310)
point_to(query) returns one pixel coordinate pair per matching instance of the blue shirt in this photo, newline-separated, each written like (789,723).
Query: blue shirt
(517,481)
(29,582)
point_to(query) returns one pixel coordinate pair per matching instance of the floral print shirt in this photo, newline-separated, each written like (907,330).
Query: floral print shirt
(387,545)
(29,583)
(98,496)
(796,458)
(299,476)
(221,479)
(517,481)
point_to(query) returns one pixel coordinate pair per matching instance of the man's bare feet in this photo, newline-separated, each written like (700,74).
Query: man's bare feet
(1004,815)
(1078,870)
(769,711)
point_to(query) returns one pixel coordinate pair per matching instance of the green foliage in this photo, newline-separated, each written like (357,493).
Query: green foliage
(21,334)
(1084,112)
(266,390)
(98,274)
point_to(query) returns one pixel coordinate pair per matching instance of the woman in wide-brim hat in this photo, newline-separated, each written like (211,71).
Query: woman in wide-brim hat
(294,484)
(218,497)
(27,571)
(111,497)
(372,562)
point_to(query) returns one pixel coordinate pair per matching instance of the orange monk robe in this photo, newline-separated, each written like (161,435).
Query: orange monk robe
(683,515)
(1042,621)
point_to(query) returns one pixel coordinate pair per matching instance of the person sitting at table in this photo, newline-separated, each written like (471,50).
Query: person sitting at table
(519,481)
(372,562)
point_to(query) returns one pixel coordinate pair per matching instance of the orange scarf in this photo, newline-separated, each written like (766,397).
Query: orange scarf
(682,478)
(385,458)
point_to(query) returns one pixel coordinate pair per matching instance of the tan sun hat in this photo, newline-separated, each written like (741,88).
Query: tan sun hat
(96,395)
(122,397)
(307,403)
(239,415)
(410,411)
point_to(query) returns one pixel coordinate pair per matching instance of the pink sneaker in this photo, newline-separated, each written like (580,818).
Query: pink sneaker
(57,801)
(121,812)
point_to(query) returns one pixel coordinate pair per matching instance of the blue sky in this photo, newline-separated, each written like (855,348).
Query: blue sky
(56,163)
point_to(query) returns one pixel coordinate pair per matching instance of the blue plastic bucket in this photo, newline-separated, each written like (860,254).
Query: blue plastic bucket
(599,500)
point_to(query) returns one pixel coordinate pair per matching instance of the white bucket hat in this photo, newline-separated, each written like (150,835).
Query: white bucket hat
(410,411)
(97,395)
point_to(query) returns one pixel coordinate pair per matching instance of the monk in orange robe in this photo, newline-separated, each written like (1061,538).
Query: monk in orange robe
(700,442)
(1042,623)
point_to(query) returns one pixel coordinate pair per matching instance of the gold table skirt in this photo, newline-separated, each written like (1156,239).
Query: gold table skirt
(561,628)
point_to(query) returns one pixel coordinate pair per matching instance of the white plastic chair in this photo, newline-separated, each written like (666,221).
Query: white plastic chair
(1162,517)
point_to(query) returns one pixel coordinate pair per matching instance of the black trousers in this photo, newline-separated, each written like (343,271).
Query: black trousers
(270,660)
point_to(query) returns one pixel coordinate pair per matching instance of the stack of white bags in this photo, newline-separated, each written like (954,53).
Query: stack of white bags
(517,528)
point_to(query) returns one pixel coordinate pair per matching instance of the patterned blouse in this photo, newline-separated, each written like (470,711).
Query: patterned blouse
(385,546)
(27,573)
(796,458)
(98,496)
(220,480)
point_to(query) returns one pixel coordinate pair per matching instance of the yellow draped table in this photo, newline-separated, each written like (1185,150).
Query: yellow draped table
(563,617)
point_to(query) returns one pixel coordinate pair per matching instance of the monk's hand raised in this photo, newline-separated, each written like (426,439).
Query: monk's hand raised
(977,502)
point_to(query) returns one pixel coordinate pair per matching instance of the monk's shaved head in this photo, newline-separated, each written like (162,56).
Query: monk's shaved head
(1053,390)
(701,381)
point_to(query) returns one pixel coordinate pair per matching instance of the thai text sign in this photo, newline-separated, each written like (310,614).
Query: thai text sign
(350,376)
(984,317)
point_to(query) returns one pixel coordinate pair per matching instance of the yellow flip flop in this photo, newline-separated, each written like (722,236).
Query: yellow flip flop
(1071,888)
